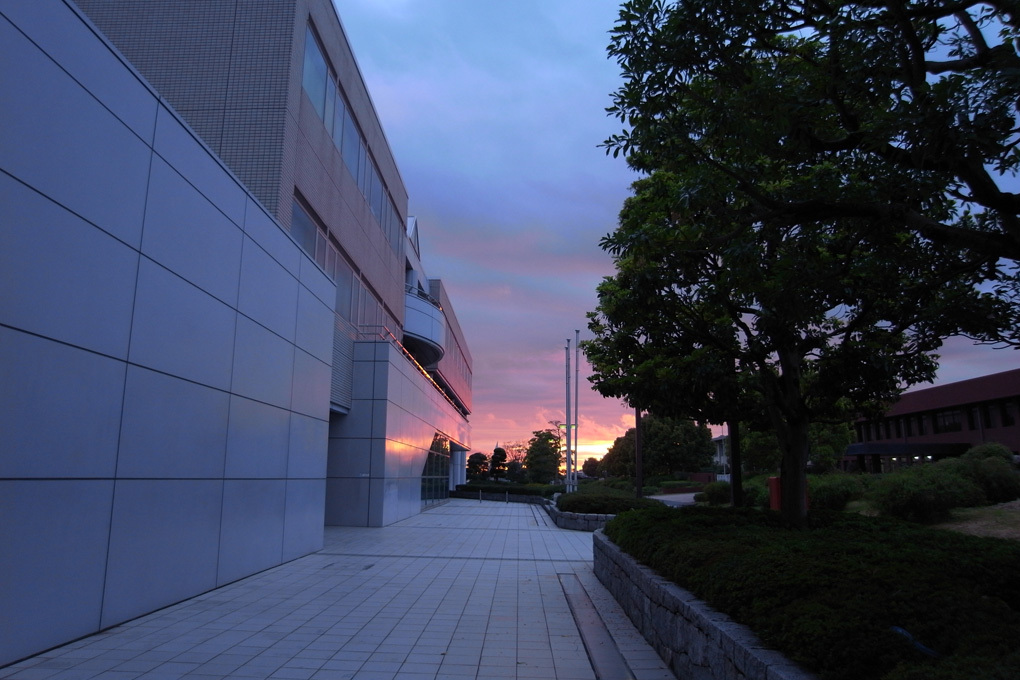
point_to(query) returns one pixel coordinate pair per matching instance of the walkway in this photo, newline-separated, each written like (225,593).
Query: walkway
(467,590)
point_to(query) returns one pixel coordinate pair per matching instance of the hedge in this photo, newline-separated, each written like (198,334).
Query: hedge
(835,597)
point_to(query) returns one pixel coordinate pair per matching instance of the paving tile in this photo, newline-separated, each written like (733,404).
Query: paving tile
(464,590)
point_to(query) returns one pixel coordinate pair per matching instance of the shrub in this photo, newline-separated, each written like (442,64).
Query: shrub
(989,450)
(956,594)
(924,493)
(834,490)
(996,477)
(715,493)
(601,505)
(756,493)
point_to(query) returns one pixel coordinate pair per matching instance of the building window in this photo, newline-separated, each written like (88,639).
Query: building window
(908,425)
(948,421)
(303,228)
(1007,411)
(920,423)
(320,83)
(315,74)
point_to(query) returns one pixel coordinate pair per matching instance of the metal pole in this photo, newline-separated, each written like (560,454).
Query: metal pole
(568,414)
(577,401)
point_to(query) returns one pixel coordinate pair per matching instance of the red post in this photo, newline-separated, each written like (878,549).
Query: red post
(775,493)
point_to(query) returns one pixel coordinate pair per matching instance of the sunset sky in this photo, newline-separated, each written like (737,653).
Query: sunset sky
(494,112)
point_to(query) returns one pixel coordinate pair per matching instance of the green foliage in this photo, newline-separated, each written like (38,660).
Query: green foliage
(827,443)
(828,596)
(756,493)
(715,493)
(924,493)
(989,470)
(478,466)
(989,450)
(834,490)
(668,446)
(815,213)
(543,458)
(497,463)
(601,504)
(997,479)
(590,467)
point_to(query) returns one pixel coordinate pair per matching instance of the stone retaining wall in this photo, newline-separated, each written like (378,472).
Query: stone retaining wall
(693,639)
(578,521)
(564,520)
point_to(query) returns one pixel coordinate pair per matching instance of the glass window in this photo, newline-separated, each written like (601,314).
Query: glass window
(948,421)
(344,288)
(339,113)
(352,145)
(329,114)
(362,169)
(320,249)
(377,195)
(302,228)
(315,73)
(1006,411)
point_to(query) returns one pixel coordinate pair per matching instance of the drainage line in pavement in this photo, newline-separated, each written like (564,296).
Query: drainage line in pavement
(605,657)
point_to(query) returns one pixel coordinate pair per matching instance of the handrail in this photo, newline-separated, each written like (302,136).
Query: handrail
(415,290)
(385,334)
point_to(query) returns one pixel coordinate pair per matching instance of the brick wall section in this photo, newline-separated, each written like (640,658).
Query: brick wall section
(694,640)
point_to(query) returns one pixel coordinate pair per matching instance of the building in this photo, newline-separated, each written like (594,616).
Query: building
(939,422)
(216,333)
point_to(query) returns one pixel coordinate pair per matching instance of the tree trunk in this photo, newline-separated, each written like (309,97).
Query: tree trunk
(790,419)
(639,480)
(793,473)
(736,465)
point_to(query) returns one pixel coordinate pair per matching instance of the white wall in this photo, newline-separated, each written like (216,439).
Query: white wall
(165,351)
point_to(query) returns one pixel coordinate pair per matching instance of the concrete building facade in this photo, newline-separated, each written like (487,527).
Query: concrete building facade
(216,334)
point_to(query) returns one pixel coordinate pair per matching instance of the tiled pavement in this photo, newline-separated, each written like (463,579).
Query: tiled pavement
(467,590)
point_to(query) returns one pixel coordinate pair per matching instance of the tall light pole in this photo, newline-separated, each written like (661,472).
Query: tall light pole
(577,403)
(567,348)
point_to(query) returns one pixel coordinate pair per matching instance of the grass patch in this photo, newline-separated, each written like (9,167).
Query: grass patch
(998,521)
(832,597)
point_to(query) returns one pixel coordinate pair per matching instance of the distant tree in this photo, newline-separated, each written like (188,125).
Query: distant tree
(543,458)
(515,454)
(619,459)
(590,467)
(497,463)
(672,445)
(668,446)
(478,466)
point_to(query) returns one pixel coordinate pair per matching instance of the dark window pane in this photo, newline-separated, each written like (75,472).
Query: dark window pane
(315,73)
(303,229)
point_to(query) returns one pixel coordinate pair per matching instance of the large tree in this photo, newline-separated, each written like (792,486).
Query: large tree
(823,200)
(543,459)
(919,93)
